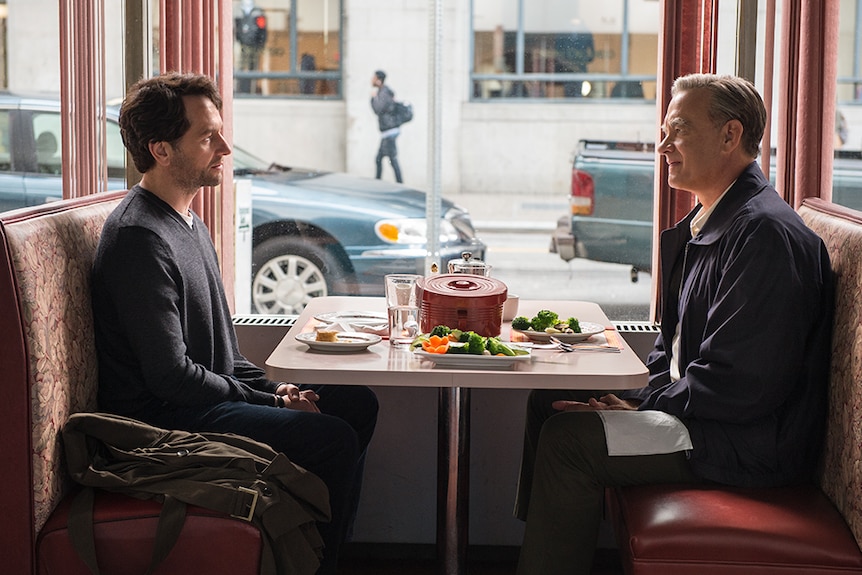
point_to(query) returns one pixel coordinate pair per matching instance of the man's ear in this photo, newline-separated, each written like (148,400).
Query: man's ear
(160,151)
(732,133)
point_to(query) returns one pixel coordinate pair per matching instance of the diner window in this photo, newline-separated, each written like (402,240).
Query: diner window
(287,48)
(4,80)
(572,50)
(847,163)
(5,142)
(511,51)
(46,127)
(850,54)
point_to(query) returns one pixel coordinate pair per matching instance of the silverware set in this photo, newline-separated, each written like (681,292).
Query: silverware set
(568,347)
(563,346)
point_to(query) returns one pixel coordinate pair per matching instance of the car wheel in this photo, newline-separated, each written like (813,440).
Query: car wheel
(289,272)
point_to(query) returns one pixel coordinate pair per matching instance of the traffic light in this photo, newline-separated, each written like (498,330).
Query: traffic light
(251,28)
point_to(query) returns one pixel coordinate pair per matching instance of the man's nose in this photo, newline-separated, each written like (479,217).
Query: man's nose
(663,145)
(225,147)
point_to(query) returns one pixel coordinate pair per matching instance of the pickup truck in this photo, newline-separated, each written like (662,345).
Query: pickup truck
(611,202)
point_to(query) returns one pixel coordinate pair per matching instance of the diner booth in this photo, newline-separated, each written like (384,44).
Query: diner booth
(402,511)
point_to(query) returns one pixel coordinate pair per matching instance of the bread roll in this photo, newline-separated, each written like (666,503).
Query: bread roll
(326,335)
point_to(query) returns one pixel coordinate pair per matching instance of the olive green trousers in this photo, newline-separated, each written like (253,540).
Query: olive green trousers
(564,472)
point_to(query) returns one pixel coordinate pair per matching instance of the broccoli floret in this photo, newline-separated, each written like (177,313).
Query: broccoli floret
(574,324)
(440,331)
(465,336)
(521,323)
(497,347)
(475,343)
(544,319)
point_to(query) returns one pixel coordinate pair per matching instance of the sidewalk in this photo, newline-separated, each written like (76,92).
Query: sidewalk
(509,213)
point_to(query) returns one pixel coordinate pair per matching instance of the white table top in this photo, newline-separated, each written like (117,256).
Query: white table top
(383,365)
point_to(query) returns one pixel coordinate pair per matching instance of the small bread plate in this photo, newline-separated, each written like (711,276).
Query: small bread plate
(346,341)
(353,316)
(588,330)
(471,361)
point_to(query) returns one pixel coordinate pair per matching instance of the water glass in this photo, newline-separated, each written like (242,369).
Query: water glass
(403,305)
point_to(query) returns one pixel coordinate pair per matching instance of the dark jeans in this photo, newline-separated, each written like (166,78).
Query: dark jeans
(330,444)
(564,472)
(388,149)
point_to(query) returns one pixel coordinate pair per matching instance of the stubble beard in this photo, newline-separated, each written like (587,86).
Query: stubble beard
(194,181)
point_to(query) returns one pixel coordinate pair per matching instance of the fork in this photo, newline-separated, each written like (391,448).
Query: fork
(567,347)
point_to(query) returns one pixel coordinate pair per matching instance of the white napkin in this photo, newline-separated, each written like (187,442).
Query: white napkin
(370,325)
(647,432)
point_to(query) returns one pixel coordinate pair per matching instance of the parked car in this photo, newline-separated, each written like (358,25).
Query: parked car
(611,202)
(314,233)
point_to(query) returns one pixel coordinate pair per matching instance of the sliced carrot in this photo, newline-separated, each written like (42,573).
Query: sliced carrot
(435,344)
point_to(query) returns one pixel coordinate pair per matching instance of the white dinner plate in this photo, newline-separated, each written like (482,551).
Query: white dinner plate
(468,360)
(353,316)
(588,330)
(345,341)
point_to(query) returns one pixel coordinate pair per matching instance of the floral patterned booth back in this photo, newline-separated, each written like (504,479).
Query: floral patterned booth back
(47,356)
(841,473)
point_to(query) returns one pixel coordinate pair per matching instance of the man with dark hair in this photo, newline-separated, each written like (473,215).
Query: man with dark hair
(383,104)
(167,350)
(738,376)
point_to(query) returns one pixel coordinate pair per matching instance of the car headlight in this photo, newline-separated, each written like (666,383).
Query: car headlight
(412,231)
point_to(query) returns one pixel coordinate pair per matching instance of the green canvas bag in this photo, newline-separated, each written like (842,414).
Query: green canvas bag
(224,472)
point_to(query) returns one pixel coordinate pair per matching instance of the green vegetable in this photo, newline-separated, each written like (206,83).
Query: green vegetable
(440,331)
(497,347)
(469,342)
(544,319)
(574,324)
(457,347)
(418,341)
(521,323)
(475,343)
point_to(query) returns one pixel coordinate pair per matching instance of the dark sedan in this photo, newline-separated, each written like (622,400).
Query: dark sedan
(313,233)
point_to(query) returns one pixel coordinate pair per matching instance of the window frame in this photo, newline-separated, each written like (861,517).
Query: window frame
(293,73)
(519,76)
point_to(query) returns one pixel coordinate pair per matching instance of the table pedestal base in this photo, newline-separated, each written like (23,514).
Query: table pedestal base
(453,479)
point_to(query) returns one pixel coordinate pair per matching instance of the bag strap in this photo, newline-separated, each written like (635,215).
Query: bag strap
(80,526)
(234,500)
(171,520)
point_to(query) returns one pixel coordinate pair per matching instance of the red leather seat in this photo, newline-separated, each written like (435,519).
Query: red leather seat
(685,530)
(124,528)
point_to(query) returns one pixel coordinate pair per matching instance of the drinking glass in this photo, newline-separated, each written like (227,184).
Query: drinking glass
(403,305)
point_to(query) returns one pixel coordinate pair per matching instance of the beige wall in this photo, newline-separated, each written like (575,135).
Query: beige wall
(507,148)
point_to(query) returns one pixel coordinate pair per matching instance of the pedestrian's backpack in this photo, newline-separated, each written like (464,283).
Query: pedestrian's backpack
(402,112)
(224,472)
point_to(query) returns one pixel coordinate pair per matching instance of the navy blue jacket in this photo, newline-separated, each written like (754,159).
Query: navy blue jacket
(755,313)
